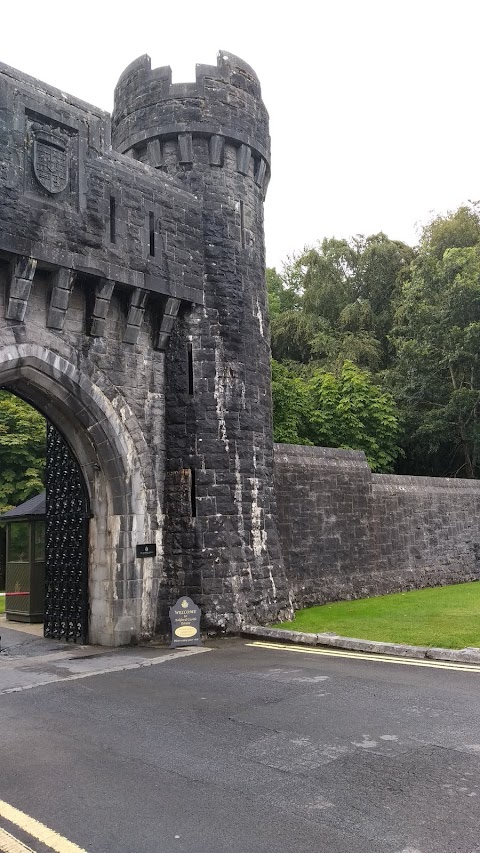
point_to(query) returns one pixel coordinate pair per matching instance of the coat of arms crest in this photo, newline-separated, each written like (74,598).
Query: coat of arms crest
(50,161)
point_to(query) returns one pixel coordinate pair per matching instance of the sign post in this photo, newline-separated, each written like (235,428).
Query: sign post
(185,619)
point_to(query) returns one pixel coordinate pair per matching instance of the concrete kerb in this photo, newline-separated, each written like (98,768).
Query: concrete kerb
(468,655)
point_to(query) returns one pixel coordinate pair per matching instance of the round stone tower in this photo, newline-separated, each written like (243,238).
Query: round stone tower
(221,541)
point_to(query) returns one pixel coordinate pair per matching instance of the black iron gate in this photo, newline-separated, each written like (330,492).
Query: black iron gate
(66,544)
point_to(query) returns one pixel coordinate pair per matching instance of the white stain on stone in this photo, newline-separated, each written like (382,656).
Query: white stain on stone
(239,506)
(274,588)
(260,319)
(219,391)
(242,394)
(259,536)
(388,737)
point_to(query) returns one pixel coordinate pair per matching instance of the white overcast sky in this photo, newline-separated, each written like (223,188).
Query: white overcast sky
(374,104)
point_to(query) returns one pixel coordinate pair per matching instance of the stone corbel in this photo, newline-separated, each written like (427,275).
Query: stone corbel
(260,173)
(169,316)
(185,148)
(136,311)
(244,154)
(154,153)
(216,150)
(103,295)
(23,270)
(63,281)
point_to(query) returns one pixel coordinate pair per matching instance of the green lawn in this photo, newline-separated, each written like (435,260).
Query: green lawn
(2,604)
(446,616)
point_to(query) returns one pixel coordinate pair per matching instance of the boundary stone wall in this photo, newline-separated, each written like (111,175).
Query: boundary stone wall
(347,533)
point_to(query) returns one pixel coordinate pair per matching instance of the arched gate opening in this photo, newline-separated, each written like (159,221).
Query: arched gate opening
(96,500)
(67,517)
(45,559)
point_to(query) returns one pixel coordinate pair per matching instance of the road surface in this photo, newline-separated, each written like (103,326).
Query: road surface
(239,747)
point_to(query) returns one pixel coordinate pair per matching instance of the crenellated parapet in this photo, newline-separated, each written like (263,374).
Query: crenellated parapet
(223,106)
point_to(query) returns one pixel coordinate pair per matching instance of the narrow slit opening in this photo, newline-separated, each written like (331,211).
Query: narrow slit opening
(112,219)
(242,223)
(151,228)
(190,368)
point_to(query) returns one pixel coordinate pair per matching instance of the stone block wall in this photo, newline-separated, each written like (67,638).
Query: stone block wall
(347,533)
(426,530)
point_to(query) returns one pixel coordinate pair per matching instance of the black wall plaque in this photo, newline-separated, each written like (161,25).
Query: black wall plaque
(185,619)
(147,550)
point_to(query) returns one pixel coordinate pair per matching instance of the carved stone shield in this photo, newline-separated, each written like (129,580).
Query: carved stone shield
(50,162)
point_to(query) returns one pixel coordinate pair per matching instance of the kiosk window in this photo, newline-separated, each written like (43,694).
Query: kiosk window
(18,542)
(39,541)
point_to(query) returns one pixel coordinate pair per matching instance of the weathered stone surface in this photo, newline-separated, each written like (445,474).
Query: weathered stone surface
(347,533)
(221,542)
(135,319)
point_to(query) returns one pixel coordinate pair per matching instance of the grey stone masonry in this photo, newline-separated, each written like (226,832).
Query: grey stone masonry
(133,315)
(96,250)
(95,220)
(347,533)
(221,542)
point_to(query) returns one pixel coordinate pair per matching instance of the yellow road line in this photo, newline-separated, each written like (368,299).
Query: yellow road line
(37,830)
(9,844)
(340,653)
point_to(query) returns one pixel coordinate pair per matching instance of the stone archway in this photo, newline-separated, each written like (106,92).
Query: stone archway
(122,594)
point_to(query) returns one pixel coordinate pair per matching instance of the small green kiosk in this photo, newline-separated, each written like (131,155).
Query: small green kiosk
(25,560)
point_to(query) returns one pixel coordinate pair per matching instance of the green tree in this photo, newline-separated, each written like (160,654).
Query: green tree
(292,406)
(282,295)
(436,334)
(459,229)
(336,301)
(22,451)
(346,410)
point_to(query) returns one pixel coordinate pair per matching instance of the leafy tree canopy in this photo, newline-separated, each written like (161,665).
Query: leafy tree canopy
(22,451)
(336,301)
(346,410)
(436,334)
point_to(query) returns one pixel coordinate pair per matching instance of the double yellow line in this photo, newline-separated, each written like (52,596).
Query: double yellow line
(37,830)
(340,653)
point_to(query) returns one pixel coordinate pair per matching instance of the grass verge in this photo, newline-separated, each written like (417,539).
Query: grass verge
(447,616)
(2,604)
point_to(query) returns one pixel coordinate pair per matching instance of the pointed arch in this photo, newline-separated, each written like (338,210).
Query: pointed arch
(106,443)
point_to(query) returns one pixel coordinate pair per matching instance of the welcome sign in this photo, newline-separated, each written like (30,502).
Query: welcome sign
(185,619)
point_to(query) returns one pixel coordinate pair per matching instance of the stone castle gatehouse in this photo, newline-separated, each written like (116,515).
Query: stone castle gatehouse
(134,318)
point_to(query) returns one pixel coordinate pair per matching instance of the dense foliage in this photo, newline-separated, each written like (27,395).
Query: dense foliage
(336,410)
(376,347)
(22,451)
(436,334)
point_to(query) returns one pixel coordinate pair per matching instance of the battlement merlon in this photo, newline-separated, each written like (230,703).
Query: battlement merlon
(227,64)
(224,100)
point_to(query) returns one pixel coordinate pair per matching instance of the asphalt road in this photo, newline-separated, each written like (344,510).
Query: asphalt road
(243,749)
